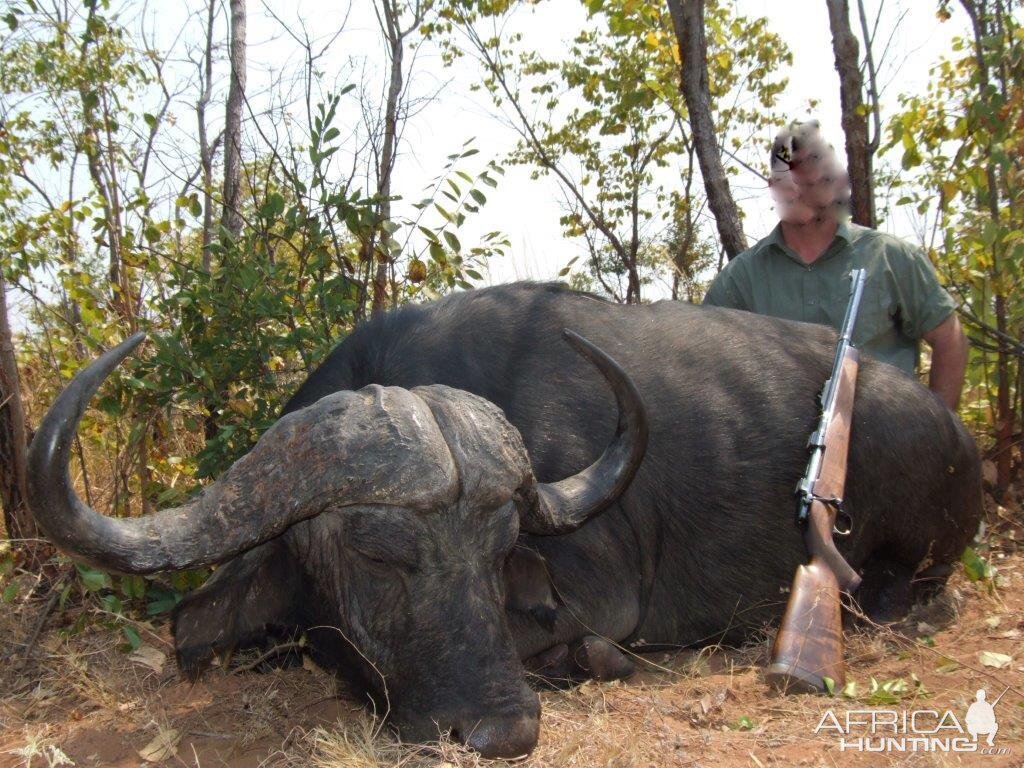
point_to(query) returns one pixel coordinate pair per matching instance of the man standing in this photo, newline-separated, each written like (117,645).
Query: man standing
(800,271)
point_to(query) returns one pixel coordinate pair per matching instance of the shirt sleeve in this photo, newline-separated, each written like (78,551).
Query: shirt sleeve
(924,302)
(723,291)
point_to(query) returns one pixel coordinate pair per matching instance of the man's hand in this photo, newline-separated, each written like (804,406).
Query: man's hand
(949,360)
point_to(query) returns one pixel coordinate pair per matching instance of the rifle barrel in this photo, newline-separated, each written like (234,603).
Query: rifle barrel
(805,488)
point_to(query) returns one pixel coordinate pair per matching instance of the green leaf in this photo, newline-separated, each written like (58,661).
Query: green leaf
(975,566)
(452,240)
(273,206)
(10,592)
(132,636)
(911,158)
(133,587)
(477,195)
(111,603)
(93,579)
(161,599)
(830,685)
(437,254)
(744,724)
(12,21)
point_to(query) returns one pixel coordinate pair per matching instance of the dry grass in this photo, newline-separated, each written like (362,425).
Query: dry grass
(80,698)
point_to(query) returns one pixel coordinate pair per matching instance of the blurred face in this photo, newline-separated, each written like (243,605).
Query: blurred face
(807,182)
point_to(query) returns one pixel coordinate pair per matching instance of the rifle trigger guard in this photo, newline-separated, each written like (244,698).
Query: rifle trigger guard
(843,525)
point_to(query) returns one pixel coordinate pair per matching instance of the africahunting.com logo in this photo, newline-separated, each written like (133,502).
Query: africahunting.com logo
(918,730)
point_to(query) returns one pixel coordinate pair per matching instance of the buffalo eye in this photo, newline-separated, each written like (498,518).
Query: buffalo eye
(528,586)
(387,539)
(386,560)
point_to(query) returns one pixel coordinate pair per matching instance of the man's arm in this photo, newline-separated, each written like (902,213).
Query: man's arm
(949,360)
(724,290)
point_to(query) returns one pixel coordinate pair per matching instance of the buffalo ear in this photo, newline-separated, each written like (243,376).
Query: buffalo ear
(248,600)
(528,586)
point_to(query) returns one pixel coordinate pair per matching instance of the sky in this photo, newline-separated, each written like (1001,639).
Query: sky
(528,210)
(525,209)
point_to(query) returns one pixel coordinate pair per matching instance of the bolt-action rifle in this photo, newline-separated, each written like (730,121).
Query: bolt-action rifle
(809,646)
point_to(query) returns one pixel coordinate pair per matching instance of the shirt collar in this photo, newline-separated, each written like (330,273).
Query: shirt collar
(843,232)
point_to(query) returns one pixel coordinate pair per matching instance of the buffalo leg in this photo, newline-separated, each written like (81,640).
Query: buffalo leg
(552,667)
(885,594)
(599,659)
(591,658)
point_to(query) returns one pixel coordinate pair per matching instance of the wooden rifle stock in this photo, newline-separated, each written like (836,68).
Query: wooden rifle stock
(809,645)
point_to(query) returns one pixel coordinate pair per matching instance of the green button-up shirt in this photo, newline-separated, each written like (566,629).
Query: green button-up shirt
(902,296)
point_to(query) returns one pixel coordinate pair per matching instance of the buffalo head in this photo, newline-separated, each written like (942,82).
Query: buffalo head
(379,521)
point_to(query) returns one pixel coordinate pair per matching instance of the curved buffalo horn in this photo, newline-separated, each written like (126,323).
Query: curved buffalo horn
(564,506)
(327,455)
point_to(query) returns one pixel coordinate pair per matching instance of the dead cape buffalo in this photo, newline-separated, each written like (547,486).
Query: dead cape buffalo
(457,491)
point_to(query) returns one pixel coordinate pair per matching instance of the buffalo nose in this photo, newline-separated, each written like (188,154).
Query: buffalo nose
(505,737)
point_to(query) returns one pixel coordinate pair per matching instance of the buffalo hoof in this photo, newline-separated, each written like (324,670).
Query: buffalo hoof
(502,737)
(938,612)
(601,660)
(552,667)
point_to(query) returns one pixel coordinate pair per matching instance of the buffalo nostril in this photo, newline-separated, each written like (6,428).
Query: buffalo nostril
(502,737)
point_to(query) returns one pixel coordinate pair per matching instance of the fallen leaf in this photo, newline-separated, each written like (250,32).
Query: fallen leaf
(311,666)
(988,472)
(993,659)
(992,621)
(57,757)
(164,746)
(39,693)
(148,656)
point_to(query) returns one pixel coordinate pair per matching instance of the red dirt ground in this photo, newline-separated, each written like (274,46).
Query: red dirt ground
(83,700)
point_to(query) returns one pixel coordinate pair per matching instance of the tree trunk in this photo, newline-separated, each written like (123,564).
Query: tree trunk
(395,39)
(101,161)
(855,120)
(206,151)
(1005,420)
(688,23)
(632,270)
(231,216)
(13,443)
(981,16)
